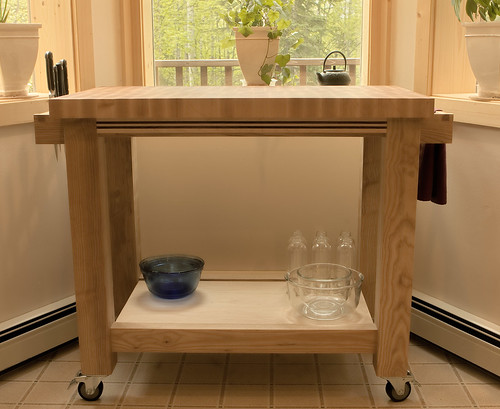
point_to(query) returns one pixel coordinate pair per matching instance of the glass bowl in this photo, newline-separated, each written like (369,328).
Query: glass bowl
(324,275)
(173,275)
(323,299)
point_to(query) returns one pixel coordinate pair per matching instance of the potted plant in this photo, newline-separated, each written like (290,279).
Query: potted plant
(482,37)
(18,53)
(258,26)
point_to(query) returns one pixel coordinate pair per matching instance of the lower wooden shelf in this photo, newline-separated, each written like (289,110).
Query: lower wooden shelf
(236,316)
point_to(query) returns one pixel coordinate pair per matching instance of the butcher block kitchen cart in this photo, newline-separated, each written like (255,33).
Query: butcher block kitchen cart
(116,313)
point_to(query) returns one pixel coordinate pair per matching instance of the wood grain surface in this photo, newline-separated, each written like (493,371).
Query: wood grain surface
(308,103)
(235,316)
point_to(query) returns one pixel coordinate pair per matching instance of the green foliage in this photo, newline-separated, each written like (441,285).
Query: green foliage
(193,29)
(273,14)
(487,10)
(4,11)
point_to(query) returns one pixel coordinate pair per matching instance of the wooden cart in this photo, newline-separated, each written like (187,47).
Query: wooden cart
(115,311)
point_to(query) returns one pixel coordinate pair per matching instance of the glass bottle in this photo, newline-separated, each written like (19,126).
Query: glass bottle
(297,250)
(346,250)
(321,248)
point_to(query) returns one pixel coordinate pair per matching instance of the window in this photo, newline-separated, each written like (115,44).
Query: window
(188,37)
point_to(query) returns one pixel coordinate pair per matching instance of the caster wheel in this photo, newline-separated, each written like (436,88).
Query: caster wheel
(395,396)
(82,391)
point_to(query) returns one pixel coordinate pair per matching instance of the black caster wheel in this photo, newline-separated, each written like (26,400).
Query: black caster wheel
(394,395)
(82,391)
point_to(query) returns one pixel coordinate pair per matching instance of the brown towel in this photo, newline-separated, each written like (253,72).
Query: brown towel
(432,173)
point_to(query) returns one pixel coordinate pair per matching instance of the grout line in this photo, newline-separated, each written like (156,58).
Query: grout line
(271,380)
(366,381)
(319,381)
(176,382)
(224,380)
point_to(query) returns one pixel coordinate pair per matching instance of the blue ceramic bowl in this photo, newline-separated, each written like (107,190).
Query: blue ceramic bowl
(173,275)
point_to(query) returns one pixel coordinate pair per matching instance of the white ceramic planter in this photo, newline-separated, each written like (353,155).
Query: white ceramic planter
(483,48)
(252,51)
(18,53)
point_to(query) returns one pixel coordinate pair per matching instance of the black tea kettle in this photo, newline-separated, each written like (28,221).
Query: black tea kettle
(334,76)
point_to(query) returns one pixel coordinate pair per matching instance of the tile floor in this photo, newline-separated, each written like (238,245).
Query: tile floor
(249,381)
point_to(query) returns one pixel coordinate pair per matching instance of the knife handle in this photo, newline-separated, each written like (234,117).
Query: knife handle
(49,67)
(65,87)
(57,87)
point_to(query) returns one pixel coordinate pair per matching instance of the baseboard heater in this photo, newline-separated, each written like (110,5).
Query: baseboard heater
(36,332)
(457,331)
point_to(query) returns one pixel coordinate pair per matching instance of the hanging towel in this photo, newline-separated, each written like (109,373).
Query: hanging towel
(432,173)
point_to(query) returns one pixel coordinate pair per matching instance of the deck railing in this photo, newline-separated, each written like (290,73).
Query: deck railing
(299,64)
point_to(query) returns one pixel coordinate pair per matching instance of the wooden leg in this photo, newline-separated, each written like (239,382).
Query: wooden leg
(370,217)
(123,223)
(395,267)
(90,233)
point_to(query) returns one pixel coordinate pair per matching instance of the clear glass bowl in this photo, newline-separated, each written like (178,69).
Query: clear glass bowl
(173,275)
(324,275)
(324,299)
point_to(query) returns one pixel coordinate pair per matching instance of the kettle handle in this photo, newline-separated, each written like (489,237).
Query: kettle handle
(333,52)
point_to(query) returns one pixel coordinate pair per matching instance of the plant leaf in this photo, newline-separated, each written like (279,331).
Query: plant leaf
(245,30)
(282,60)
(456,5)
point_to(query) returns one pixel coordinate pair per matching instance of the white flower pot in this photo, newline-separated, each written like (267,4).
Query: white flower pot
(483,48)
(18,53)
(252,52)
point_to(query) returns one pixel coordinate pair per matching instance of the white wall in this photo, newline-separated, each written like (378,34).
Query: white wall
(35,246)
(457,256)
(236,201)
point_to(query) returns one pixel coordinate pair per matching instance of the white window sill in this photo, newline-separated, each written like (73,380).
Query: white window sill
(15,111)
(469,111)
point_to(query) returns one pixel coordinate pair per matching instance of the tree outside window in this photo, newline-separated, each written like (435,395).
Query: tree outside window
(194,30)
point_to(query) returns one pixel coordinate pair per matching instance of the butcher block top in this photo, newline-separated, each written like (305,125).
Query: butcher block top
(301,103)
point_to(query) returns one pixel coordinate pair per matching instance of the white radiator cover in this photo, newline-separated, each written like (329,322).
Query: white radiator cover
(36,332)
(461,333)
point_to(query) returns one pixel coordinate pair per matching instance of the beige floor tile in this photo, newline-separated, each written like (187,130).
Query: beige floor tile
(382,399)
(301,374)
(13,392)
(147,394)
(348,374)
(339,358)
(8,406)
(202,373)
(60,371)
(128,356)
(246,395)
(250,358)
(50,393)
(366,358)
(38,406)
(206,358)
(293,358)
(445,395)
(352,396)
(27,372)
(206,396)
(472,374)
(159,357)
(373,379)
(423,354)
(250,374)
(485,394)
(296,396)
(68,352)
(156,372)
(90,405)
(111,395)
(121,373)
(434,373)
